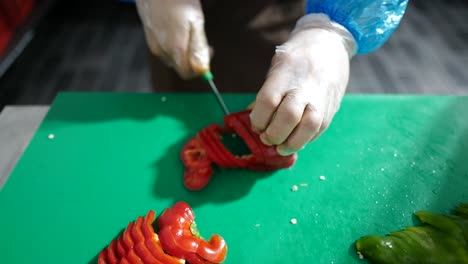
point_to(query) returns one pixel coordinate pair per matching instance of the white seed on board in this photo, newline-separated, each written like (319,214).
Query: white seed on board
(294,188)
(51,136)
(294,221)
(322,178)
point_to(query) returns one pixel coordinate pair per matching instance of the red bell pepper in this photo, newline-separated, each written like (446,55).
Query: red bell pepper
(124,261)
(120,248)
(137,244)
(126,237)
(180,238)
(206,149)
(133,257)
(152,241)
(102,257)
(193,155)
(140,244)
(112,257)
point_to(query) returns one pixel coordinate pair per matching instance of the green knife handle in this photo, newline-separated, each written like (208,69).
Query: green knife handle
(207,76)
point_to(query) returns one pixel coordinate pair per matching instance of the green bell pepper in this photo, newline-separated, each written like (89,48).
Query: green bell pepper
(441,239)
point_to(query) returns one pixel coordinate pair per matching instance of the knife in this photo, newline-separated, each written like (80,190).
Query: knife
(208,77)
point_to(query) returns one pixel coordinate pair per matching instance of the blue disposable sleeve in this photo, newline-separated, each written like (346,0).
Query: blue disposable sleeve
(371,22)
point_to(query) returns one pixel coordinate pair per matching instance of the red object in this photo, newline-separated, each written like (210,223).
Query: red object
(16,11)
(206,148)
(5,35)
(13,13)
(137,244)
(140,244)
(177,236)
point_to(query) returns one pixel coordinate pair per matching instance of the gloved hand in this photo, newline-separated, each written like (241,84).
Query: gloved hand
(174,31)
(305,85)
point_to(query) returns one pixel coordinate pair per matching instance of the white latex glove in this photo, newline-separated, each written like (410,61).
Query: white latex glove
(305,85)
(174,31)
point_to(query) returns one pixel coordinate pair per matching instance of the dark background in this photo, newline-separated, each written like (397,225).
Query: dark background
(99,46)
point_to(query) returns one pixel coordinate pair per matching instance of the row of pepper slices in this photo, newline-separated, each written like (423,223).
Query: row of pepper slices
(177,241)
(206,149)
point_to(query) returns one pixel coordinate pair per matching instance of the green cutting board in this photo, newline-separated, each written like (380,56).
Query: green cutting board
(116,156)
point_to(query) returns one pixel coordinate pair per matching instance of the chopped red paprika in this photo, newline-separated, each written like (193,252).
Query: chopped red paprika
(152,241)
(206,149)
(120,248)
(145,255)
(137,235)
(112,257)
(193,156)
(126,237)
(196,179)
(124,261)
(102,257)
(140,244)
(133,257)
(179,237)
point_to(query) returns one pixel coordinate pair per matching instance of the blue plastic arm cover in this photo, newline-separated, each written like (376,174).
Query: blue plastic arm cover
(371,22)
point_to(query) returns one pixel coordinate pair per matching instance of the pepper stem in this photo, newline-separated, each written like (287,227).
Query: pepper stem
(194,230)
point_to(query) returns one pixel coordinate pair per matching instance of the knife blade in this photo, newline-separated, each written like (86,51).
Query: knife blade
(208,77)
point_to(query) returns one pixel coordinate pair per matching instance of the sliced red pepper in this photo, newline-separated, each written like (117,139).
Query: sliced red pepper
(147,226)
(193,258)
(139,244)
(127,237)
(177,238)
(120,247)
(133,258)
(124,261)
(156,250)
(102,258)
(152,241)
(193,155)
(111,253)
(208,141)
(137,235)
(210,137)
(145,255)
(197,179)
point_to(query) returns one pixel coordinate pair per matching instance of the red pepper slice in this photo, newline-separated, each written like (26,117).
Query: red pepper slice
(102,258)
(209,137)
(133,258)
(145,255)
(147,226)
(127,238)
(193,155)
(120,248)
(111,254)
(195,259)
(177,239)
(124,261)
(207,141)
(137,235)
(197,179)
(156,250)
(152,241)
